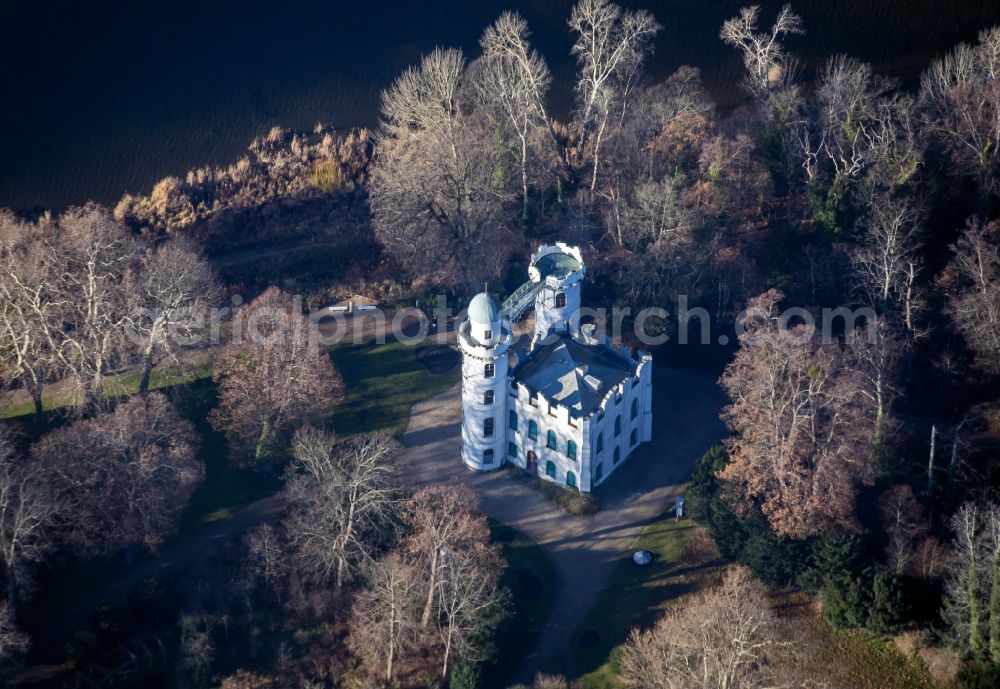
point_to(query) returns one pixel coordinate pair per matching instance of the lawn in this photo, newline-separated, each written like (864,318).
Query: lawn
(532,581)
(122,385)
(634,596)
(382,383)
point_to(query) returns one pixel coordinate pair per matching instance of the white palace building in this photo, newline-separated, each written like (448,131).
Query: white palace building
(572,408)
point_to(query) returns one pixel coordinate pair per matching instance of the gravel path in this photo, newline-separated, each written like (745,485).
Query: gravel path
(583,550)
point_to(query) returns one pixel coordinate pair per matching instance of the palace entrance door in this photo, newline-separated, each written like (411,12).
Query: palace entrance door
(532,463)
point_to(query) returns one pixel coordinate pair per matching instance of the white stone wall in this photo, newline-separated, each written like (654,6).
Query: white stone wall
(583,431)
(618,404)
(548,418)
(549,317)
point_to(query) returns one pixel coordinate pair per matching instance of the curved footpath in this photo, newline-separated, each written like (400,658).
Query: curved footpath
(583,550)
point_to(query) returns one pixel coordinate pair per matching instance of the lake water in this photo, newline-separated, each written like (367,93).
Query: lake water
(103,97)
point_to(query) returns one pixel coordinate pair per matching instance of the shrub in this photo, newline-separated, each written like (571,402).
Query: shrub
(326,175)
(833,555)
(466,675)
(872,599)
(569,500)
(888,607)
(981,676)
(845,602)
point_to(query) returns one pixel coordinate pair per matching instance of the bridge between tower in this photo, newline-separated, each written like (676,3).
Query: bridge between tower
(515,306)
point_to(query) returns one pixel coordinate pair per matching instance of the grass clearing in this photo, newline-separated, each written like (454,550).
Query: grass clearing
(532,581)
(226,487)
(849,657)
(382,383)
(634,596)
(123,385)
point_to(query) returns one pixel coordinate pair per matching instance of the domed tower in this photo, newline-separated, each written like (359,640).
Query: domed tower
(484,338)
(559,269)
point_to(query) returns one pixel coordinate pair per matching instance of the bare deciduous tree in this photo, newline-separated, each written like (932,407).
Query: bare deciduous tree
(467,594)
(544,681)
(83,295)
(30,316)
(12,640)
(857,126)
(384,614)
(960,94)
(876,350)
(124,475)
(767,64)
(443,518)
(27,514)
(966,591)
(514,80)
(266,558)
(611,45)
(440,196)
(975,300)
(197,647)
(723,638)
(272,381)
(904,526)
(342,498)
(94,254)
(169,295)
(801,445)
(892,233)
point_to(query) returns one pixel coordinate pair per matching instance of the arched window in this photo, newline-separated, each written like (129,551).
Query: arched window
(635,408)
(561,300)
(532,430)
(488,428)
(550,441)
(512,449)
(512,420)
(598,471)
(490,370)
(571,450)
(618,455)
(488,397)
(488,457)
(618,426)
(600,442)
(634,437)
(550,469)
(571,479)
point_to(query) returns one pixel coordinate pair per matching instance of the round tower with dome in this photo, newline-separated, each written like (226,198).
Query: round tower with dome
(485,340)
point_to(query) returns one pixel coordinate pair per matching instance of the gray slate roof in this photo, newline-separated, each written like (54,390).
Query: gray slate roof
(572,374)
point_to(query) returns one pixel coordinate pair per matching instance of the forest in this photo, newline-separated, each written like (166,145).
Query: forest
(861,469)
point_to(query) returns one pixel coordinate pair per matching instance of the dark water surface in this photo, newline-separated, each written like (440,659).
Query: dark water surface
(102,97)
